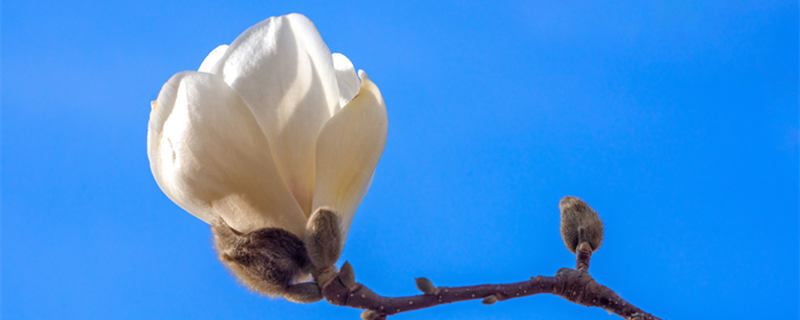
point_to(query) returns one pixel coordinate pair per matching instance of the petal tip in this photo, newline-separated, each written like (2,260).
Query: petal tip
(295,15)
(213,59)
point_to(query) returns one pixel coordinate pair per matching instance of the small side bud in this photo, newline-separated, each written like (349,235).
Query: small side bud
(490,299)
(579,223)
(371,315)
(426,286)
(347,275)
(323,239)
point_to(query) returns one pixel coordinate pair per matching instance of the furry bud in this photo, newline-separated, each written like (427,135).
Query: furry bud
(426,286)
(323,238)
(371,315)
(266,260)
(579,223)
(347,275)
(489,300)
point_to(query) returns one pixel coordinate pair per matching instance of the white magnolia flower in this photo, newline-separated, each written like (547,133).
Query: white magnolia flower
(270,128)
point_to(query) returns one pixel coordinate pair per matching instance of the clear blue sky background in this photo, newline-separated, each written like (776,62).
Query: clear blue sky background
(676,120)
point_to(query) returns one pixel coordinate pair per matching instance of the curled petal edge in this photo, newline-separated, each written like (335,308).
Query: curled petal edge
(348,150)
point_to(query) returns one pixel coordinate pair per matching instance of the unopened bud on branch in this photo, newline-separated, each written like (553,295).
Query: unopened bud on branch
(371,315)
(323,239)
(426,286)
(579,223)
(347,275)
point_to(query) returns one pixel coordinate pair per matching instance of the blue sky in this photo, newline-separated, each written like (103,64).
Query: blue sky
(676,120)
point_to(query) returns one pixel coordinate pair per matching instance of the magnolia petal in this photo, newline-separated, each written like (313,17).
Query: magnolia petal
(209,156)
(211,61)
(346,78)
(284,72)
(348,149)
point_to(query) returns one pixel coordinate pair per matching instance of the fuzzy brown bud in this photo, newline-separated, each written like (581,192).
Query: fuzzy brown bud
(426,286)
(371,315)
(323,239)
(266,260)
(347,275)
(579,223)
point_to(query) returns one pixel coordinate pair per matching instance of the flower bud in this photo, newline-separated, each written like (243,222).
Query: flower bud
(426,286)
(579,223)
(371,315)
(323,238)
(347,275)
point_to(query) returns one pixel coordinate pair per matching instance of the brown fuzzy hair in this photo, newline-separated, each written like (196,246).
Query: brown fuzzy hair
(266,261)
(579,223)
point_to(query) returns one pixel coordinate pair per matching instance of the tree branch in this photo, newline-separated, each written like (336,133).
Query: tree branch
(582,256)
(575,285)
(582,232)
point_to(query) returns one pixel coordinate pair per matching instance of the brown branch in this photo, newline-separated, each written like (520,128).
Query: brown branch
(582,232)
(582,256)
(573,285)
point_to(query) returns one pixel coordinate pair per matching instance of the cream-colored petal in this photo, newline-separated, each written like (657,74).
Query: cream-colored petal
(348,149)
(208,155)
(284,72)
(346,78)
(210,62)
